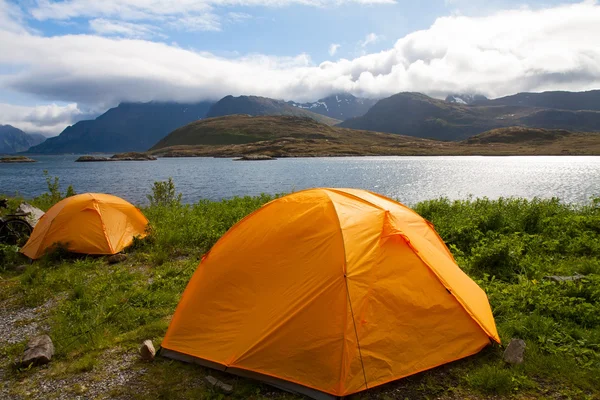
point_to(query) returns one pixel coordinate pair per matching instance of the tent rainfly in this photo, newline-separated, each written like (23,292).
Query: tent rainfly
(89,223)
(329,292)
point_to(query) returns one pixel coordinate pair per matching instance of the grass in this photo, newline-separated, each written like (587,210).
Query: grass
(508,246)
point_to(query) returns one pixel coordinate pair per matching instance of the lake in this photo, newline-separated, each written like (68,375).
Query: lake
(574,179)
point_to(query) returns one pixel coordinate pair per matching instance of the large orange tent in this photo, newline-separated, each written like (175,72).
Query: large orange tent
(89,223)
(328,292)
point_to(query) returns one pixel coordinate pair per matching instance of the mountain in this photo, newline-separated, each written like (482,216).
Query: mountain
(254,105)
(289,136)
(13,140)
(127,127)
(339,106)
(466,98)
(416,114)
(557,100)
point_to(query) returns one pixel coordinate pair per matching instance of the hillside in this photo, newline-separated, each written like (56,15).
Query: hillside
(13,140)
(341,106)
(415,114)
(255,106)
(128,127)
(284,136)
(589,100)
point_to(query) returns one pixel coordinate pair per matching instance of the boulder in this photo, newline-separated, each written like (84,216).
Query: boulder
(514,351)
(33,213)
(557,278)
(225,388)
(39,351)
(147,351)
(116,258)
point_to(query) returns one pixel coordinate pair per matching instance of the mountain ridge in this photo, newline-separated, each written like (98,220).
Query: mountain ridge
(257,105)
(416,114)
(14,140)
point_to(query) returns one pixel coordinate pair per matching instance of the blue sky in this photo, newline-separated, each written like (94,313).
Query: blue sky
(61,61)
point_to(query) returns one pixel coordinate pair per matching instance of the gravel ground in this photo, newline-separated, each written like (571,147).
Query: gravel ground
(116,368)
(17,325)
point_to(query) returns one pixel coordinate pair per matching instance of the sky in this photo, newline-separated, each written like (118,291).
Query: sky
(63,61)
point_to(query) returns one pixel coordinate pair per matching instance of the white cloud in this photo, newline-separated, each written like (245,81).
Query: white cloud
(238,16)
(333,48)
(48,119)
(369,39)
(119,28)
(192,14)
(504,53)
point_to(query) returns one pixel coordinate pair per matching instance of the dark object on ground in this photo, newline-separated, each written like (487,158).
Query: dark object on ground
(225,388)
(39,351)
(14,229)
(16,159)
(147,351)
(116,258)
(255,157)
(557,278)
(514,351)
(131,156)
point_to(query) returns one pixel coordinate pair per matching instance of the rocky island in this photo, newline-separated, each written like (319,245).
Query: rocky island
(16,159)
(131,156)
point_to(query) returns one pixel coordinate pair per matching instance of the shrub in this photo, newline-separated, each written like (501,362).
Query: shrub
(164,194)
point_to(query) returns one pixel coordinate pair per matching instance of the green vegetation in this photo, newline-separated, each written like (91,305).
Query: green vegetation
(99,312)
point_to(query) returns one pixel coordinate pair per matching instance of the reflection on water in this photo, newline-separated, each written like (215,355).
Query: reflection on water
(408,179)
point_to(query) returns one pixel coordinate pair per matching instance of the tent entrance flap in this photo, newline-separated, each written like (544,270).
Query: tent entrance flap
(275,382)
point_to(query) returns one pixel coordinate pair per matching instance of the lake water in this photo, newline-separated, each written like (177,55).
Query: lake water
(408,179)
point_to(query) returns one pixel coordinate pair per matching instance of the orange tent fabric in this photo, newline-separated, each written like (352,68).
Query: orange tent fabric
(335,290)
(89,223)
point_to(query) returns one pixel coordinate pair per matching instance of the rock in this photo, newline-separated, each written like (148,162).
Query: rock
(219,385)
(33,213)
(20,268)
(131,156)
(514,351)
(15,159)
(39,351)
(117,258)
(147,351)
(255,157)
(91,159)
(556,278)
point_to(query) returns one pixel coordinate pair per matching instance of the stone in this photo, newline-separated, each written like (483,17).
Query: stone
(514,351)
(147,351)
(33,213)
(20,268)
(225,388)
(39,351)
(116,258)
(557,278)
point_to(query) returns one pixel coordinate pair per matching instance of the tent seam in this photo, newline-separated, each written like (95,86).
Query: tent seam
(345,270)
(97,208)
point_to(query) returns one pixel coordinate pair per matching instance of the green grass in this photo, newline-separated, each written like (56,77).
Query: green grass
(507,246)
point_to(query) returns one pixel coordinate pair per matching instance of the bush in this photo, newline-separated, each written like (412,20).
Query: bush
(164,194)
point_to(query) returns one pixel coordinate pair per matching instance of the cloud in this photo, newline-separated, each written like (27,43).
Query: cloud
(506,52)
(192,15)
(369,39)
(48,119)
(106,27)
(333,48)
(238,16)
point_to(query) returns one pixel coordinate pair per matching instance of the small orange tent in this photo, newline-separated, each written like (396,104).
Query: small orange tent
(89,223)
(328,292)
